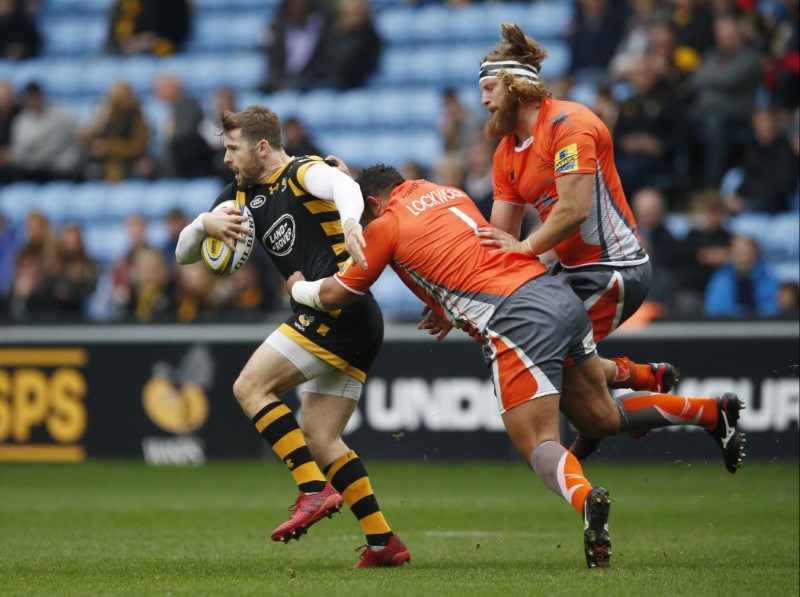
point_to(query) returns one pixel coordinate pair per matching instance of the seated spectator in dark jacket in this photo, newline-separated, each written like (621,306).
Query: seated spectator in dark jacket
(648,129)
(8,112)
(158,27)
(296,139)
(294,45)
(649,208)
(71,274)
(351,47)
(744,287)
(19,36)
(593,35)
(769,167)
(705,249)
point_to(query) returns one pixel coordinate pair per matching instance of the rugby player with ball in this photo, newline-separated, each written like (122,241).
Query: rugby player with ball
(305,214)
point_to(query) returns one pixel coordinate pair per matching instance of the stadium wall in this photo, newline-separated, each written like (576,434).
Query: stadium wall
(163,393)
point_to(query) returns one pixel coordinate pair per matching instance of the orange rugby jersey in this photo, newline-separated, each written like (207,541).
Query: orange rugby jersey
(568,138)
(428,235)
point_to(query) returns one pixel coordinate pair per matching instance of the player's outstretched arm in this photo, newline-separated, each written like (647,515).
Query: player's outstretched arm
(325,294)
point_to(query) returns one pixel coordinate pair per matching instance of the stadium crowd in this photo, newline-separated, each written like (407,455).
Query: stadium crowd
(701,97)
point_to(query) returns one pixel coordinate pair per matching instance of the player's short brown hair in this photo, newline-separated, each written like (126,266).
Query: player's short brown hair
(516,46)
(257,122)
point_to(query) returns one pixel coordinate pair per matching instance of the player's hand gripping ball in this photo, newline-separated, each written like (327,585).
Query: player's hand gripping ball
(216,254)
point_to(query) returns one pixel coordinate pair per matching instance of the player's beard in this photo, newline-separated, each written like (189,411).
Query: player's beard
(503,121)
(251,170)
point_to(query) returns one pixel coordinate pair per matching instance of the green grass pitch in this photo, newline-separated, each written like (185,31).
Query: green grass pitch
(122,528)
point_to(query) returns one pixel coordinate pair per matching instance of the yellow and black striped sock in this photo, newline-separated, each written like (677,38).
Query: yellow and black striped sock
(349,477)
(276,423)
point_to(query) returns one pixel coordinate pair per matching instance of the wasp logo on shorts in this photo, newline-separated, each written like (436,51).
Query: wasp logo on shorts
(279,239)
(303,321)
(258,201)
(566,159)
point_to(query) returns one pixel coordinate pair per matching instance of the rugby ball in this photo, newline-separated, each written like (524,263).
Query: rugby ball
(216,254)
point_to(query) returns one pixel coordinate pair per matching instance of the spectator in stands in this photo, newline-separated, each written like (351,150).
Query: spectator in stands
(223,99)
(250,299)
(184,153)
(29,295)
(8,112)
(175,221)
(43,139)
(19,35)
(121,271)
(478,174)
(744,287)
(635,41)
(116,141)
(199,294)
(769,169)
(71,274)
(785,51)
(293,44)
(705,249)
(648,130)
(39,241)
(789,300)
(158,27)
(458,125)
(692,21)
(8,240)
(725,87)
(351,48)
(150,286)
(449,170)
(411,170)
(297,140)
(649,208)
(665,57)
(592,37)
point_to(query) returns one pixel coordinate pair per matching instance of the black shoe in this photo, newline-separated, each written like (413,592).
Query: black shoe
(667,377)
(596,543)
(728,438)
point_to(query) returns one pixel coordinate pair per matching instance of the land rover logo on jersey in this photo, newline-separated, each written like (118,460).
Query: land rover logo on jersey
(279,239)
(258,201)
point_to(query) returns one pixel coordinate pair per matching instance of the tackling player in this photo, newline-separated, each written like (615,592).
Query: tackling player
(528,323)
(558,157)
(306,216)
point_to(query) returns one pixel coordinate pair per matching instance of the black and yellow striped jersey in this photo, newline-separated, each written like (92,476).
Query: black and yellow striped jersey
(299,231)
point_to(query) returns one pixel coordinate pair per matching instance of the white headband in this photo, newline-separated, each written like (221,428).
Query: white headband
(518,69)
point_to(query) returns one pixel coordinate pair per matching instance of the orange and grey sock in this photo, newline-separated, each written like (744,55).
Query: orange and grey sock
(349,477)
(276,423)
(561,472)
(632,375)
(646,410)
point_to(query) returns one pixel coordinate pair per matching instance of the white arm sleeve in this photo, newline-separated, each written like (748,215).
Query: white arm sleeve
(327,182)
(189,242)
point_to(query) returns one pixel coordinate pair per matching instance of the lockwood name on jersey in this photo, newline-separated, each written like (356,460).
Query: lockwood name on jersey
(432,199)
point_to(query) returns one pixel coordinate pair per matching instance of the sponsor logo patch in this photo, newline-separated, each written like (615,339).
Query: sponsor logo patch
(258,201)
(279,239)
(566,159)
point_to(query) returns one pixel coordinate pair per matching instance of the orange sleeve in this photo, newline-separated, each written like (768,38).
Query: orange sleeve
(503,189)
(381,238)
(575,148)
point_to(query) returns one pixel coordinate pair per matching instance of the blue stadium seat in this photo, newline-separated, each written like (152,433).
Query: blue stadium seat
(226,31)
(73,34)
(106,242)
(53,199)
(87,202)
(65,78)
(396,26)
(124,199)
(197,195)
(17,199)
(780,240)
